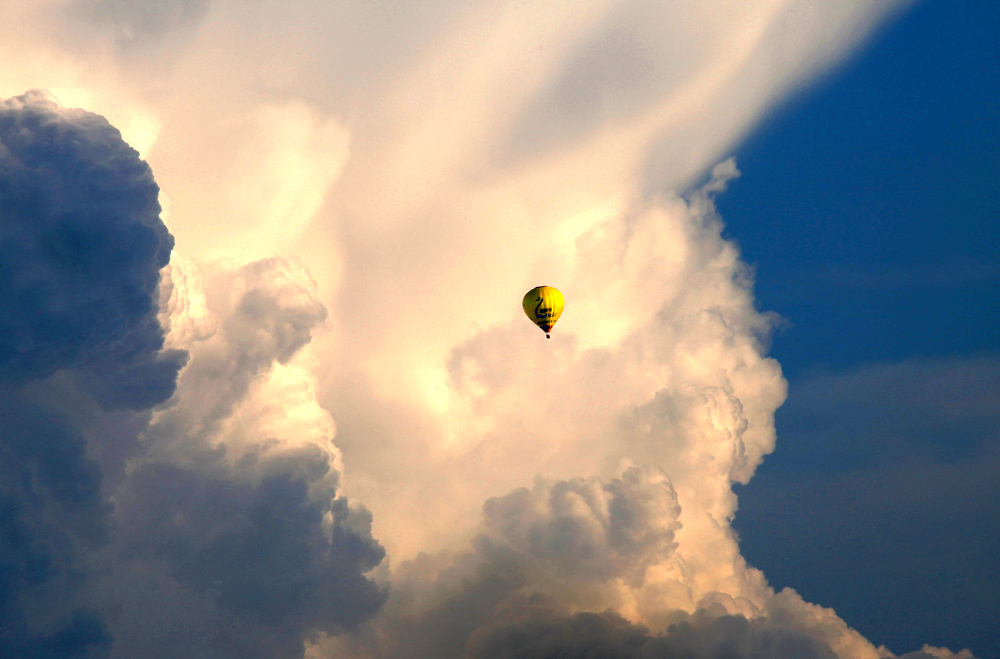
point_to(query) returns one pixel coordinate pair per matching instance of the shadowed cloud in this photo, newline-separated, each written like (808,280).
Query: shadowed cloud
(109,496)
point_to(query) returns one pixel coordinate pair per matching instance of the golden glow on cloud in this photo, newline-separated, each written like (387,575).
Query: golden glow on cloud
(389,192)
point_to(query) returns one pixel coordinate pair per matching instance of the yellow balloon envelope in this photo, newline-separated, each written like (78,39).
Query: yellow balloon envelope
(543,305)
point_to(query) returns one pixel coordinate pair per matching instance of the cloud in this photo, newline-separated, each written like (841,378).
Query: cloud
(268,551)
(138,23)
(532,582)
(215,490)
(53,513)
(242,326)
(579,541)
(677,381)
(233,509)
(82,245)
(357,188)
(705,634)
(681,384)
(586,529)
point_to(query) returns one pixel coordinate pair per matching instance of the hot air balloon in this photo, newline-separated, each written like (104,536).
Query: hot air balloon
(543,305)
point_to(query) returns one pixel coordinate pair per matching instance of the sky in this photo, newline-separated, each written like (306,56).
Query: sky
(881,255)
(266,388)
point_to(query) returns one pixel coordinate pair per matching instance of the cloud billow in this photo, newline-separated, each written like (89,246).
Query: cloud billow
(704,634)
(81,247)
(586,530)
(260,550)
(51,514)
(607,635)
(533,583)
(122,516)
(232,522)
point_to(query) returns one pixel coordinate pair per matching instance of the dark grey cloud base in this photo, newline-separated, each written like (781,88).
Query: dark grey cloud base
(607,635)
(81,245)
(98,561)
(702,635)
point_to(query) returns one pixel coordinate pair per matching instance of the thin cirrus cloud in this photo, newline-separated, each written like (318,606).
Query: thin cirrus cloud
(352,190)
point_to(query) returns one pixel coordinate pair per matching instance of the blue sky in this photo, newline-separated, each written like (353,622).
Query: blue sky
(869,206)
(869,202)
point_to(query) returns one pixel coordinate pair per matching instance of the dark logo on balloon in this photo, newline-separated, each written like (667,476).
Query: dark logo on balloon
(543,313)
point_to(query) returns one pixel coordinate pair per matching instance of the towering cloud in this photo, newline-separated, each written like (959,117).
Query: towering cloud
(361,194)
(670,411)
